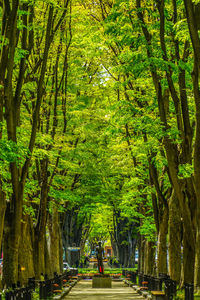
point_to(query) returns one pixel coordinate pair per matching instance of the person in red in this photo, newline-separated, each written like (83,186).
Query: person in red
(99,255)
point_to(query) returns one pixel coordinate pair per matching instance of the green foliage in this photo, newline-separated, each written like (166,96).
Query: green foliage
(185,171)
(99,126)
(12,152)
(101,223)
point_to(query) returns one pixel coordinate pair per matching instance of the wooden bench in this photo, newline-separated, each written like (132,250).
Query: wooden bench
(158,295)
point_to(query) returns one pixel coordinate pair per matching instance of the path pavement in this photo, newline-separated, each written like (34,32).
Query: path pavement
(84,291)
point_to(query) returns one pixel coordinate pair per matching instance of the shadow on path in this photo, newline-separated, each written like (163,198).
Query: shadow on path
(84,291)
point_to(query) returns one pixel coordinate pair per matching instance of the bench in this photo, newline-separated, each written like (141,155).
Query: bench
(158,295)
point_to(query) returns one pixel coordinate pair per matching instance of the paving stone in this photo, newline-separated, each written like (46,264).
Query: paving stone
(84,291)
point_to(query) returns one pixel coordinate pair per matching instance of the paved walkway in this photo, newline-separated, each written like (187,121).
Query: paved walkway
(84,291)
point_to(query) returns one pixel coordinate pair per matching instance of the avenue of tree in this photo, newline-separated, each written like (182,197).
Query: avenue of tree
(100,123)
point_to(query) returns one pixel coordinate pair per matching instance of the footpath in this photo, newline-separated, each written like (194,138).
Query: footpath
(119,290)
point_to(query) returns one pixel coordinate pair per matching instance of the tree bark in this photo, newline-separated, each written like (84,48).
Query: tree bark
(49,268)
(54,240)
(113,244)
(197,262)
(149,258)
(26,253)
(40,230)
(12,233)
(172,153)
(174,245)
(194,34)
(141,249)
(14,209)
(2,212)
(162,244)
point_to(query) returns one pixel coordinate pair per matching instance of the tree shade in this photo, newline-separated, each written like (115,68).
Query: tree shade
(99,118)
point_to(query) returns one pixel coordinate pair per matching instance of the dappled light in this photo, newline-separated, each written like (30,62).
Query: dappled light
(99,148)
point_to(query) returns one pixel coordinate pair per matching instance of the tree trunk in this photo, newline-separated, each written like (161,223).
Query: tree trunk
(172,152)
(197,262)
(54,241)
(49,268)
(188,260)
(125,257)
(114,245)
(39,255)
(2,213)
(174,239)
(162,243)
(26,265)
(141,248)
(61,253)
(131,251)
(12,233)
(40,230)
(149,258)
(71,229)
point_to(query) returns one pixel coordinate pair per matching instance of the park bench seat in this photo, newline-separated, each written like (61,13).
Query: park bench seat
(158,295)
